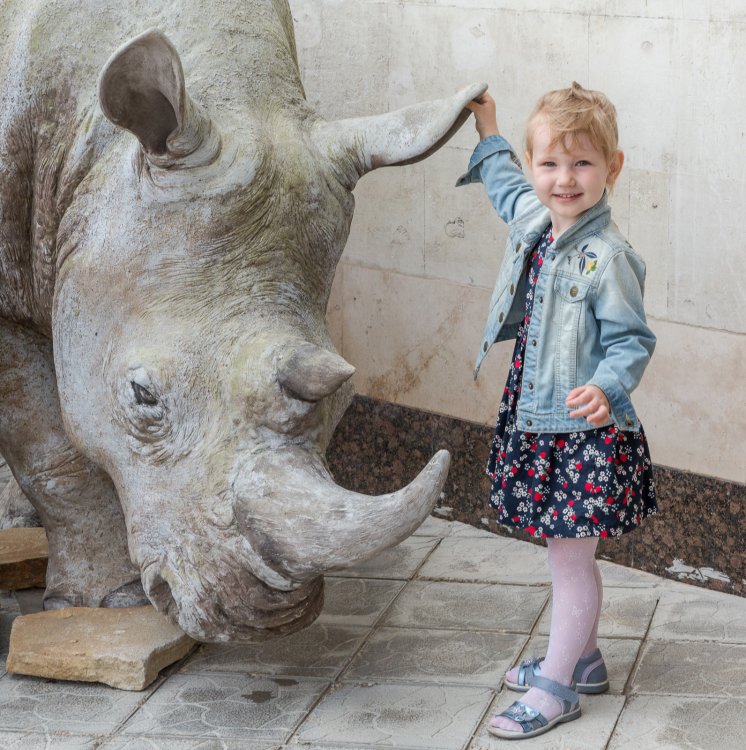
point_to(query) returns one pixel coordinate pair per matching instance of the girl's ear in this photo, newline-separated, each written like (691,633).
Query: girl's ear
(527,159)
(615,167)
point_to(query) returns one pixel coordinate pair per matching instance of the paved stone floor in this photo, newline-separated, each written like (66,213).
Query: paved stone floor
(409,653)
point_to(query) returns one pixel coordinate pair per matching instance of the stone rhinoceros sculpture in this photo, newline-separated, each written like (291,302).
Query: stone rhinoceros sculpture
(170,223)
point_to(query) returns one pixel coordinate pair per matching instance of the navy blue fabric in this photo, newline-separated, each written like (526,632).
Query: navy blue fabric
(595,482)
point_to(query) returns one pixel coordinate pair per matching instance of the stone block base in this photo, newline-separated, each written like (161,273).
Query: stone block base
(23,558)
(125,648)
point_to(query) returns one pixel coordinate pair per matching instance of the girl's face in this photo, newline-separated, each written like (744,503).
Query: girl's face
(569,178)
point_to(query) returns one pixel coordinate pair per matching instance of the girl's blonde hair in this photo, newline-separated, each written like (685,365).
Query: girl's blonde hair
(572,113)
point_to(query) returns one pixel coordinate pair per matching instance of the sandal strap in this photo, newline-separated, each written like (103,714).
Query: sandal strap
(557,689)
(528,718)
(525,666)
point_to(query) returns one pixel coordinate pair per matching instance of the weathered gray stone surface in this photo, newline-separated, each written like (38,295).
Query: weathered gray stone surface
(23,558)
(226,706)
(486,559)
(431,717)
(173,214)
(326,688)
(478,606)
(441,656)
(125,648)
(655,722)
(322,650)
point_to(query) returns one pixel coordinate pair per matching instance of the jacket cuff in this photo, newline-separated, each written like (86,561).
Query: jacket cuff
(488,146)
(619,401)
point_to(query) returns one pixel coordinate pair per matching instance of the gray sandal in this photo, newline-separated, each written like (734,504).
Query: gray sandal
(590,675)
(533,722)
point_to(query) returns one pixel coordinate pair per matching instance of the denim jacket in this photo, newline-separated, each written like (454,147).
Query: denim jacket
(588,323)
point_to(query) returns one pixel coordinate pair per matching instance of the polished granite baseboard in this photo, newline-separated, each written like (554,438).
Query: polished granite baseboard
(698,536)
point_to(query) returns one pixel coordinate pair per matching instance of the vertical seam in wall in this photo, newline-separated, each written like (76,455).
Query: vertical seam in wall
(423,195)
(588,51)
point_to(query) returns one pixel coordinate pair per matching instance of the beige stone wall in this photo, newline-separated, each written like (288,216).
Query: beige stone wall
(412,289)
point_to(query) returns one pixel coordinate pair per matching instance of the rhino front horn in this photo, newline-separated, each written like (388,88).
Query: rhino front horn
(141,89)
(301,523)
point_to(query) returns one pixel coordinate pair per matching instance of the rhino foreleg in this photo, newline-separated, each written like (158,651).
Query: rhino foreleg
(89,564)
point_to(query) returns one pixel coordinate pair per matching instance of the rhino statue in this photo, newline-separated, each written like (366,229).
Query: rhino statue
(171,215)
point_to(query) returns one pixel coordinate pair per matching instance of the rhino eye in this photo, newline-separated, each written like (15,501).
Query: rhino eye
(142,395)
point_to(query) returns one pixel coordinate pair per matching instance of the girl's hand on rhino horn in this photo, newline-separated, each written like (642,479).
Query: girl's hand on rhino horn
(485,114)
(594,405)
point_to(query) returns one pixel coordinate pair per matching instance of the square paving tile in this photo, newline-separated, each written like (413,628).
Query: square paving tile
(467,606)
(434,717)
(489,560)
(626,613)
(357,601)
(670,723)
(226,706)
(692,668)
(462,530)
(318,651)
(590,732)
(183,743)
(48,706)
(618,575)
(619,655)
(400,562)
(691,613)
(35,741)
(444,656)
(432,526)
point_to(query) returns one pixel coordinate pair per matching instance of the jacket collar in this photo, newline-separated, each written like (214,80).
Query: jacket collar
(529,227)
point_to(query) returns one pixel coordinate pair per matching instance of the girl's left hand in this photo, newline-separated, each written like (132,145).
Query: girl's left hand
(594,405)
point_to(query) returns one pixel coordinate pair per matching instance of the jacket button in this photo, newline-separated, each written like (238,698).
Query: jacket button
(574,292)
(512,289)
(501,317)
(485,346)
(541,300)
(531,386)
(529,422)
(533,343)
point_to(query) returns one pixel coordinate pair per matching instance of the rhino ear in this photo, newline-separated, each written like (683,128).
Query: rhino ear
(404,136)
(310,373)
(141,89)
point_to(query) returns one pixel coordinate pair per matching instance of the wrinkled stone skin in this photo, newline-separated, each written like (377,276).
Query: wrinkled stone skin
(171,216)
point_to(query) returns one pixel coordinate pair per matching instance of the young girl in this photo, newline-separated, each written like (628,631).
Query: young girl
(569,462)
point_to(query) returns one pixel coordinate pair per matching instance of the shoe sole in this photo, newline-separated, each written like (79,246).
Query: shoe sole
(506,734)
(587,688)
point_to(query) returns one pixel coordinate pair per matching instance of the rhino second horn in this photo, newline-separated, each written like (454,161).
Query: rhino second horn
(310,373)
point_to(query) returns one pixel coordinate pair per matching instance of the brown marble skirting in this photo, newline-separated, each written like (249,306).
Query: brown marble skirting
(698,536)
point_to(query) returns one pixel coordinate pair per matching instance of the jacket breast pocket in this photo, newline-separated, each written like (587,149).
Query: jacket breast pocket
(570,289)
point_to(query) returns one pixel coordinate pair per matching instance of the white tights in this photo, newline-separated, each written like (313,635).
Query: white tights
(576,605)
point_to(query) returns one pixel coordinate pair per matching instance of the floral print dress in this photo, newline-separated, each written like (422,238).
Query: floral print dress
(594,482)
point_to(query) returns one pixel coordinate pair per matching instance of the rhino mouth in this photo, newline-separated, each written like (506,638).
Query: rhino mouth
(219,609)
